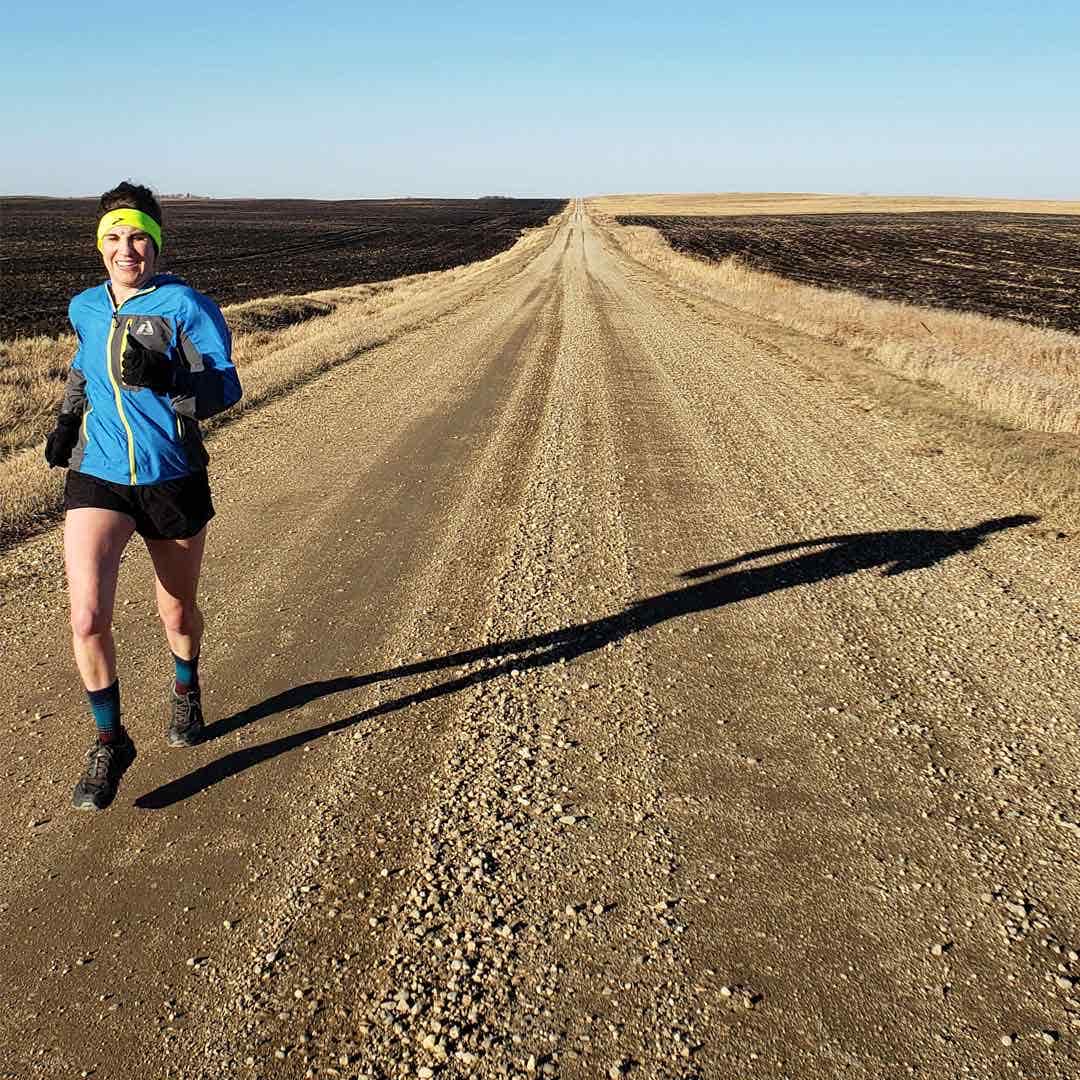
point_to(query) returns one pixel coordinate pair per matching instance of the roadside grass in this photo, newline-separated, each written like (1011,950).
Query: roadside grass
(736,203)
(1011,392)
(274,313)
(32,374)
(279,342)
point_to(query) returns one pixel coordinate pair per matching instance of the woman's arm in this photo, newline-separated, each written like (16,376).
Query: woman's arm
(65,434)
(74,400)
(206,380)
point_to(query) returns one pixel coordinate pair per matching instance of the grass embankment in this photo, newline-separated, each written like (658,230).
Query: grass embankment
(279,343)
(1012,392)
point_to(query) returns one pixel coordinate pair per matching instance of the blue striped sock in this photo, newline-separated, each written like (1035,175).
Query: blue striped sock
(105,705)
(187,674)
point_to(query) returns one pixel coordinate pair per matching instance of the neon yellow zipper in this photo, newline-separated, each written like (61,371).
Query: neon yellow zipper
(112,378)
(119,399)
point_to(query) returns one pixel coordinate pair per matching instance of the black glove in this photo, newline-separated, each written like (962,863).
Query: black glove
(62,440)
(144,367)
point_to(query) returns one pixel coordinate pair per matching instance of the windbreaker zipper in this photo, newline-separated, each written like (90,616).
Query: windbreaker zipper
(112,377)
(119,396)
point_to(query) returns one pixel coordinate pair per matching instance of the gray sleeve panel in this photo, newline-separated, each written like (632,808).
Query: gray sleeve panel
(74,393)
(78,453)
(203,391)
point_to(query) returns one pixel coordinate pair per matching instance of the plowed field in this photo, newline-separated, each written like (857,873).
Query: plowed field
(1017,266)
(239,249)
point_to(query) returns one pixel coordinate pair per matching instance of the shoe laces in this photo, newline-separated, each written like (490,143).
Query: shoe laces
(98,759)
(182,706)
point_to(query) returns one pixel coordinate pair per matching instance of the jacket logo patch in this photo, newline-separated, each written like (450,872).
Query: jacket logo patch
(144,327)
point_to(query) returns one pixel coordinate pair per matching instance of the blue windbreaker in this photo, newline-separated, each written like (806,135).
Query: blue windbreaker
(130,434)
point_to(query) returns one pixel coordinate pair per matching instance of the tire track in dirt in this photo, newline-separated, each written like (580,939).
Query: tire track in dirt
(480,901)
(412,680)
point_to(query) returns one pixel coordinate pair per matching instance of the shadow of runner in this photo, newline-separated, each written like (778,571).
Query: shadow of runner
(897,551)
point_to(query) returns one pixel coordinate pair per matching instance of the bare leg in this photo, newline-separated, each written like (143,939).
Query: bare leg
(94,540)
(176,567)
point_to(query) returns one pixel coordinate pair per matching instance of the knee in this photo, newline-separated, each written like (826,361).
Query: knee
(178,616)
(89,622)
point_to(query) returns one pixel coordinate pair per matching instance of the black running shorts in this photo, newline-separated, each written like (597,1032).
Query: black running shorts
(173,510)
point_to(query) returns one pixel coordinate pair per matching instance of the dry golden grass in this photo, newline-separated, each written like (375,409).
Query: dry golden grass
(1012,392)
(273,313)
(728,204)
(279,342)
(32,374)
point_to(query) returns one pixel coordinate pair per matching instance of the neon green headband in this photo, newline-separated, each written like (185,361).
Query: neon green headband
(135,218)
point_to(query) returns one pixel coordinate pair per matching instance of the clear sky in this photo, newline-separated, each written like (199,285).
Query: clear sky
(337,100)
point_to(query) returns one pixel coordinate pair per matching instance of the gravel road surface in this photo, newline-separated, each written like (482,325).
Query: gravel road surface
(598,685)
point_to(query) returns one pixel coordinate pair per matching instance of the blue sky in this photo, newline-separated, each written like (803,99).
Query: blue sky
(337,100)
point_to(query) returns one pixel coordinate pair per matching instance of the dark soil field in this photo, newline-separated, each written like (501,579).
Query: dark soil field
(1017,266)
(242,249)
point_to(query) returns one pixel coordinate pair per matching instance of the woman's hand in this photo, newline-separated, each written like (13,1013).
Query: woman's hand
(62,440)
(145,367)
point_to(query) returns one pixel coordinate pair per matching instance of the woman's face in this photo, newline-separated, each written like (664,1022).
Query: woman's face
(129,256)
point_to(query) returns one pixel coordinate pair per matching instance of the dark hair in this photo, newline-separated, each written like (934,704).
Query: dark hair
(133,197)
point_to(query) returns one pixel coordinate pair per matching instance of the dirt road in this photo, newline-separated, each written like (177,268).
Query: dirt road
(599,685)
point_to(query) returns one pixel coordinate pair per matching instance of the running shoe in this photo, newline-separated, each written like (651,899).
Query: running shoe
(105,764)
(185,722)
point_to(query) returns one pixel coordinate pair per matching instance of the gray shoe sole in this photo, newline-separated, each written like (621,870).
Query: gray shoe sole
(89,804)
(188,738)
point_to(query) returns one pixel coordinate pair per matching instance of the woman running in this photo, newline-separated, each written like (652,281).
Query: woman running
(153,359)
